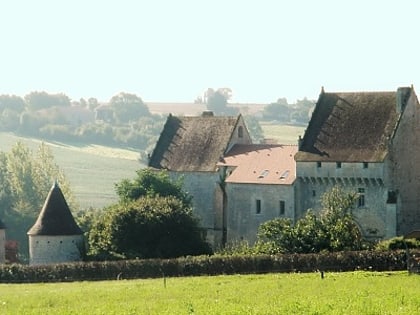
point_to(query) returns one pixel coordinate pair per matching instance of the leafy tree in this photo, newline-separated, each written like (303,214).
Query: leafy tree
(149,227)
(40,100)
(152,184)
(25,179)
(12,102)
(333,230)
(128,107)
(276,111)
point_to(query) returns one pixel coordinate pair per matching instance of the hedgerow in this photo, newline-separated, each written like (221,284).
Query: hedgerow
(208,265)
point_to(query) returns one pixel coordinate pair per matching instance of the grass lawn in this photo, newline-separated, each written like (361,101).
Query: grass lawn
(337,293)
(284,134)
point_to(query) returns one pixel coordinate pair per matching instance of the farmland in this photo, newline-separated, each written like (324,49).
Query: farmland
(337,293)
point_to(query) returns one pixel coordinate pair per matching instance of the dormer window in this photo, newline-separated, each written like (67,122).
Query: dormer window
(240,132)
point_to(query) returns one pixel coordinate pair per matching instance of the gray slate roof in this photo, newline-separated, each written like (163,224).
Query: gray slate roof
(55,217)
(351,127)
(192,143)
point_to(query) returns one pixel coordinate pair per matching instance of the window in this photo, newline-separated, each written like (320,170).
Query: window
(338,164)
(361,200)
(263,174)
(318,164)
(314,193)
(258,206)
(365,164)
(240,132)
(284,175)
(282,207)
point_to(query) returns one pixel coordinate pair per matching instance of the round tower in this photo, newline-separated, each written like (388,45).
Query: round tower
(2,243)
(55,237)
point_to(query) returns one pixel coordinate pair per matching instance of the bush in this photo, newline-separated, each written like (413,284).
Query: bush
(397,243)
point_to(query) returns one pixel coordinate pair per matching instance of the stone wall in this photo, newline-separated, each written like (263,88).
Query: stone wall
(45,249)
(243,218)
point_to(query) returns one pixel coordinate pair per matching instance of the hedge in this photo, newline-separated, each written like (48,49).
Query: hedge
(207,265)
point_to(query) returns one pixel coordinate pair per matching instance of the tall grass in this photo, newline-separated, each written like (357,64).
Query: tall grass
(336,293)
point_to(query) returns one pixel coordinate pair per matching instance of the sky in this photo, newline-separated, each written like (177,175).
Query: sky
(173,50)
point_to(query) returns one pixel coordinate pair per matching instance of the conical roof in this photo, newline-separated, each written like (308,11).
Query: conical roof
(55,217)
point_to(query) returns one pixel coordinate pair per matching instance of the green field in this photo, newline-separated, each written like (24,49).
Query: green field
(337,293)
(92,170)
(283,134)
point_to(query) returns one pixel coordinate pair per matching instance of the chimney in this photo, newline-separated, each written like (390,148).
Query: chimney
(403,93)
(207,113)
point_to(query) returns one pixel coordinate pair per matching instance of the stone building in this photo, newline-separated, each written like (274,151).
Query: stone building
(191,147)
(259,185)
(55,237)
(2,243)
(366,142)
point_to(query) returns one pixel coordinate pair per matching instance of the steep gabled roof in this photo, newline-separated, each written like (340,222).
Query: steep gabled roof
(351,127)
(55,217)
(193,143)
(261,164)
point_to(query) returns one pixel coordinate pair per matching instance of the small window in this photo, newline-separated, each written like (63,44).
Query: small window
(282,207)
(365,164)
(361,199)
(318,164)
(314,193)
(338,164)
(263,174)
(284,175)
(258,206)
(240,132)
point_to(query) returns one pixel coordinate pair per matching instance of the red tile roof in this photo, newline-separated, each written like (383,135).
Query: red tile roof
(261,164)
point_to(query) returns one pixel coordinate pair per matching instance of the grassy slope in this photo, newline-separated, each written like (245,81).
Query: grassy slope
(91,170)
(337,293)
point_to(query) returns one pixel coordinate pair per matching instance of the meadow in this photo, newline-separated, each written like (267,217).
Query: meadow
(294,293)
(92,170)
(283,134)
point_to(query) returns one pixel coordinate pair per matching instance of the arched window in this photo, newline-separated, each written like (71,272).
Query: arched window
(240,132)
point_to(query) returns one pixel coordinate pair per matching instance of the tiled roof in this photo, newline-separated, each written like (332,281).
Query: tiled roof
(55,217)
(192,143)
(351,127)
(261,164)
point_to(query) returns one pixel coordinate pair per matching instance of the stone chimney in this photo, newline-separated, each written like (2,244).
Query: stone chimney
(403,93)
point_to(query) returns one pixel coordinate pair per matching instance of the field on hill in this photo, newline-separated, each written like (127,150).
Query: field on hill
(337,293)
(92,170)
(283,134)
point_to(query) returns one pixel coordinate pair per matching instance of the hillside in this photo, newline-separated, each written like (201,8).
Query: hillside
(92,170)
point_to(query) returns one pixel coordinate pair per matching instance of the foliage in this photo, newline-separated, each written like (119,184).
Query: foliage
(333,230)
(276,111)
(152,184)
(128,107)
(39,100)
(147,227)
(208,265)
(25,179)
(11,102)
(397,242)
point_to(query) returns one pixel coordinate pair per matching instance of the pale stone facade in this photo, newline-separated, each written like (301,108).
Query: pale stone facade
(47,249)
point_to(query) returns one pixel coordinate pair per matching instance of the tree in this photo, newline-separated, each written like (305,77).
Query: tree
(276,111)
(149,227)
(25,180)
(12,102)
(152,184)
(41,100)
(333,230)
(128,107)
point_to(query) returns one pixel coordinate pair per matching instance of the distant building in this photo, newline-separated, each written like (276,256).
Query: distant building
(369,143)
(55,237)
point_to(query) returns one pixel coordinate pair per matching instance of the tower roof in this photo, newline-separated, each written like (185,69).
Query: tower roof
(55,217)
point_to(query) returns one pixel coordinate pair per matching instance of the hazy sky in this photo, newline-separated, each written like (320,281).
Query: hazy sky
(175,49)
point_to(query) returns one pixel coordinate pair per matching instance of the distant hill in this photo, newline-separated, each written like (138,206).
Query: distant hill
(92,170)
